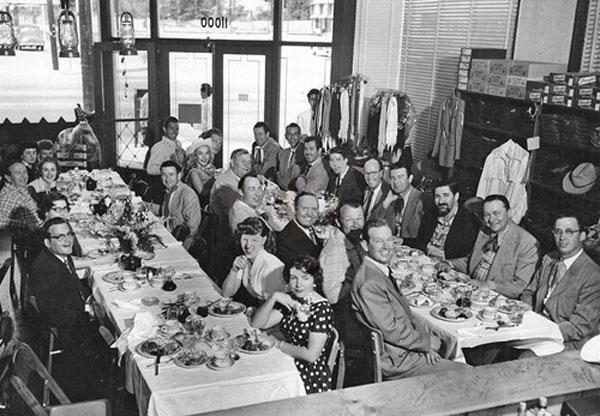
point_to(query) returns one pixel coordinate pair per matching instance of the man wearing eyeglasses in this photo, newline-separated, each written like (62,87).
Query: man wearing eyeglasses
(61,300)
(566,288)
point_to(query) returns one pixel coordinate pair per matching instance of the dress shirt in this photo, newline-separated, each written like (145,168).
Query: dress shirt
(161,152)
(373,195)
(559,274)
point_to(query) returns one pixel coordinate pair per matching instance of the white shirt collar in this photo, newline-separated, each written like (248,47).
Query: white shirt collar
(569,262)
(306,230)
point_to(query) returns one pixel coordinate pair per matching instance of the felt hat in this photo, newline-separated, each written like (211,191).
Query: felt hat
(196,144)
(591,350)
(581,179)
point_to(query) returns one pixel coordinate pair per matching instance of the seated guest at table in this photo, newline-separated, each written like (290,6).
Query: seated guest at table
(256,274)
(224,191)
(566,287)
(348,184)
(180,207)
(61,301)
(315,178)
(45,148)
(306,321)
(290,161)
(448,231)
(28,156)
(201,172)
(49,170)
(250,198)
(410,204)
(504,255)
(340,259)
(409,349)
(376,192)
(264,151)
(298,237)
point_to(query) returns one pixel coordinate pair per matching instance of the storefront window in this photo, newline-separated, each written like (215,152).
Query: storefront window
(217,19)
(139,9)
(307,20)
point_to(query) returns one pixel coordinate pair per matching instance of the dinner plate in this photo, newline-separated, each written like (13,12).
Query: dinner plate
(117,276)
(509,306)
(418,300)
(436,313)
(414,252)
(247,345)
(213,364)
(232,309)
(453,277)
(184,360)
(433,289)
(150,347)
(591,350)
(170,330)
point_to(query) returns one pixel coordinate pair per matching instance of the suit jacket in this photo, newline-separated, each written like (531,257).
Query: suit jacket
(184,207)
(378,210)
(461,237)
(514,263)
(575,302)
(352,187)
(315,180)
(378,304)
(223,193)
(270,150)
(292,242)
(58,292)
(415,207)
(286,173)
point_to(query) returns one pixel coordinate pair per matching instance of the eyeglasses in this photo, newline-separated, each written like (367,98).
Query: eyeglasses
(60,209)
(62,237)
(556,232)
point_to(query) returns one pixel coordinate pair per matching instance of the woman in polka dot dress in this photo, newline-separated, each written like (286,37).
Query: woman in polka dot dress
(306,321)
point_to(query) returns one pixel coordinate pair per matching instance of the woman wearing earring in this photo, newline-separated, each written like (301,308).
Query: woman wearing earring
(201,174)
(306,319)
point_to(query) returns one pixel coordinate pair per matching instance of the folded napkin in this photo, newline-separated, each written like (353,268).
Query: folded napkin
(144,327)
(133,305)
(473,331)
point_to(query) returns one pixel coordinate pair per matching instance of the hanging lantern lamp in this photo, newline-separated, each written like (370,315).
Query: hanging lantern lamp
(8,40)
(127,33)
(67,33)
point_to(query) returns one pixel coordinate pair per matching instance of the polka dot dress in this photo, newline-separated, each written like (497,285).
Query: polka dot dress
(316,376)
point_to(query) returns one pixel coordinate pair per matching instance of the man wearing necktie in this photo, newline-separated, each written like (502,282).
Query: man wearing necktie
(291,161)
(566,287)
(61,299)
(347,183)
(264,151)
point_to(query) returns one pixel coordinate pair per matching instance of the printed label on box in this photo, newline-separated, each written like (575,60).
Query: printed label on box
(499,67)
(494,90)
(478,75)
(533,143)
(517,81)
(497,80)
(480,65)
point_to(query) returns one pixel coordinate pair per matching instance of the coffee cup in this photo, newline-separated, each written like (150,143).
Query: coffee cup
(488,313)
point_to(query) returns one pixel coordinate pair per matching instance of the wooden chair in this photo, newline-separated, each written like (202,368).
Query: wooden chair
(336,355)
(377,349)
(28,370)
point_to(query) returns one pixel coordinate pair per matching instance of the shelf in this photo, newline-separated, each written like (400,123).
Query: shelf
(569,146)
(495,130)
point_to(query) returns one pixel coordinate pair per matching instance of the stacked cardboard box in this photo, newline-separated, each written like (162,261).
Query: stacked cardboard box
(573,89)
(467,55)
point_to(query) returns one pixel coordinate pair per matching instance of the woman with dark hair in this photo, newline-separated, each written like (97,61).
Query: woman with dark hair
(306,319)
(49,171)
(256,274)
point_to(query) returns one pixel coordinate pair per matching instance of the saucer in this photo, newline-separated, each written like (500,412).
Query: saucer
(491,320)
(218,365)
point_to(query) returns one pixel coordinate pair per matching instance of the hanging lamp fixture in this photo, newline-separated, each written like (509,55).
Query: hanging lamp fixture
(8,40)
(67,32)
(127,33)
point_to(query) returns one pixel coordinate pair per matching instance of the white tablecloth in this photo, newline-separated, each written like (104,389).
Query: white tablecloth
(178,391)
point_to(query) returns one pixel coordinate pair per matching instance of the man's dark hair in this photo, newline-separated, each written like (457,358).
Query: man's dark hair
(48,202)
(497,197)
(312,92)
(450,184)
(170,163)
(372,223)
(242,180)
(27,145)
(315,139)
(301,195)
(52,222)
(401,165)
(344,151)
(263,125)
(208,133)
(350,204)
(238,152)
(169,120)
(293,126)
(570,214)
(45,144)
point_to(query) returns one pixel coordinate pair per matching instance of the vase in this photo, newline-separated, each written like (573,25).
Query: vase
(130,262)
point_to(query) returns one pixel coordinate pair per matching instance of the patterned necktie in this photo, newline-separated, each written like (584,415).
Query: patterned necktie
(367,207)
(399,207)
(492,244)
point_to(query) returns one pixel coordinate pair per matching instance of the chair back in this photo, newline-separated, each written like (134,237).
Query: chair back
(336,355)
(377,349)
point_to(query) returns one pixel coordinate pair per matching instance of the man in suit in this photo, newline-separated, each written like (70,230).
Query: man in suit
(348,184)
(298,237)
(505,255)
(409,349)
(224,191)
(449,231)
(181,206)
(61,300)
(376,192)
(566,287)
(315,179)
(264,151)
(291,160)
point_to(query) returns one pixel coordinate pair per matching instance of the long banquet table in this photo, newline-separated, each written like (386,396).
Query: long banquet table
(179,391)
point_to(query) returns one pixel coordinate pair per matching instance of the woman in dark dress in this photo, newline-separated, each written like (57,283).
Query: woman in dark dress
(306,321)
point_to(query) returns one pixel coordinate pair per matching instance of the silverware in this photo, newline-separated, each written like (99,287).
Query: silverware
(162,362)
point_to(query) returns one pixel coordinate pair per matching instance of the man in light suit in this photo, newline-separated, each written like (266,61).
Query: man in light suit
(348,184)
(264,151)
(505,255)
(315,179)
(298,236)
(181,205)
(409,349)
(291,160)
(224,191)
(566,288)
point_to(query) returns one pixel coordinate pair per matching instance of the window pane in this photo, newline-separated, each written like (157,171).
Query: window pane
(139,9)
(308,20)
(131,107)
(217,19)
(302,68)
(188,71)
(243,100)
